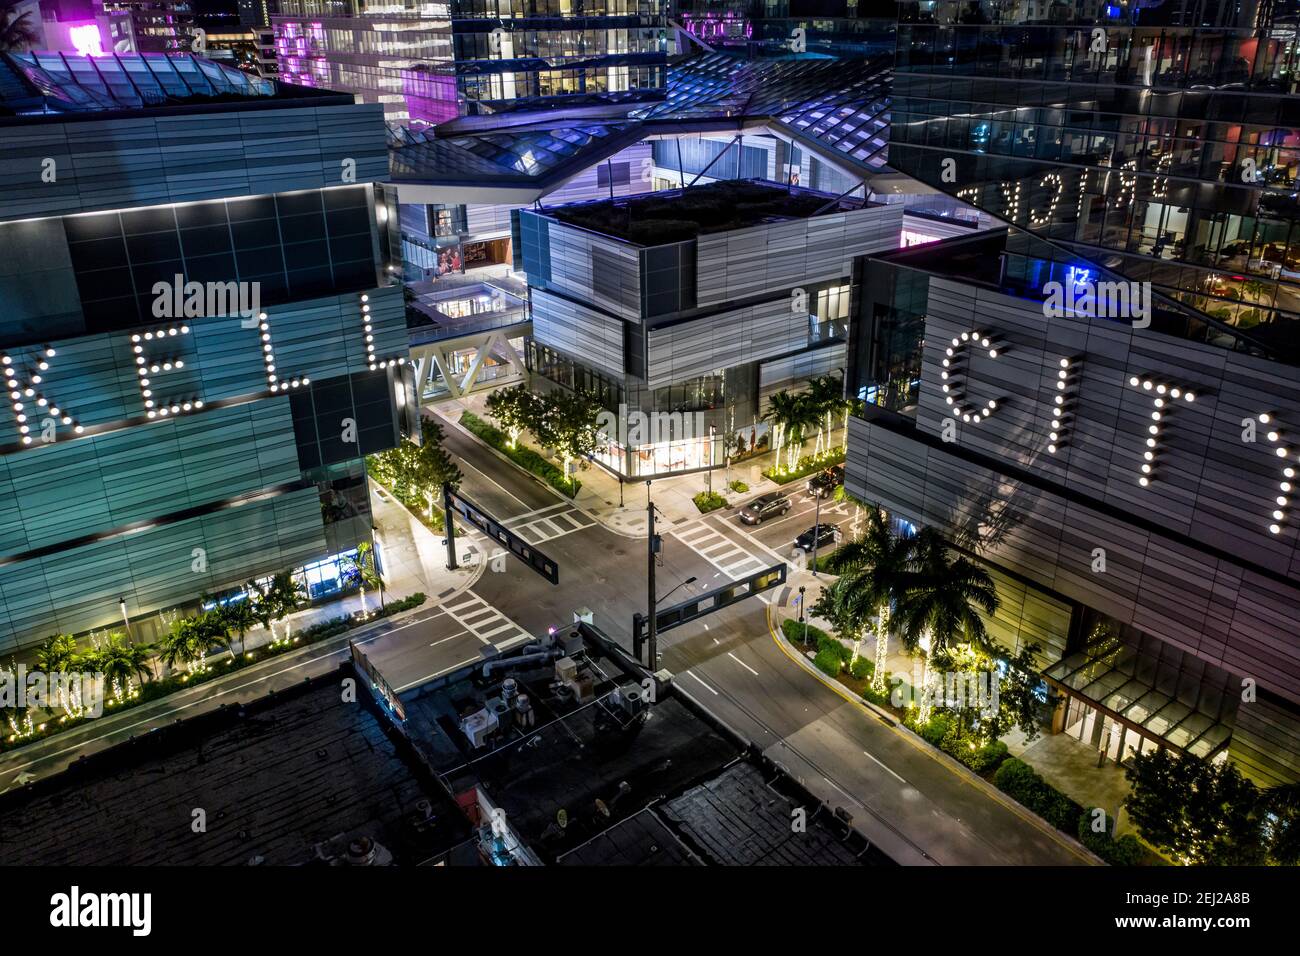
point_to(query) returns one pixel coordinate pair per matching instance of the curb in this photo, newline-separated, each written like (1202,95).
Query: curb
(964,773)
(594,515)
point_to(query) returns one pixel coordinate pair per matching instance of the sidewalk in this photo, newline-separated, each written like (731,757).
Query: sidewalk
(413,559)
(1064,762)
(599,495)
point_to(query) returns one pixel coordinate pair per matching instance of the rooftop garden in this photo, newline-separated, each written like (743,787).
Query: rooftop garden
(679,214)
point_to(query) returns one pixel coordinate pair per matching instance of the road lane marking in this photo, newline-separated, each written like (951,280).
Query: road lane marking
(704,685)
(468,464)
(742,663)
(883,767)
(425,680)
(166,712)
(924,748)
(532,514)
(452,638)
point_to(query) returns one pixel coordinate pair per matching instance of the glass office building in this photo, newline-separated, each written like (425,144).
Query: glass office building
(431,62)
(183,331)
(1103,465)
(1157,141)
(791,28)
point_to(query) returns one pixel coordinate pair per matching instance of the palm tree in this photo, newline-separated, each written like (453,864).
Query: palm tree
(121,662)
(871,574)
(16,29)
(363,565)
(825,395)
(190,639)
(180,645)
(56,653)
(275,600)
(940,603)
(790,416)
(240,618)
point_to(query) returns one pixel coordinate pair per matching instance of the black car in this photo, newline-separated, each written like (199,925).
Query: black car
(765,506)
(820,536)
(824,483)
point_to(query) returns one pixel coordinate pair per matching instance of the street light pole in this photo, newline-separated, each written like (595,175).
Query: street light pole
(803,616)
(450,527)
(817,533)
(713,430)
(651,549)
(126,621)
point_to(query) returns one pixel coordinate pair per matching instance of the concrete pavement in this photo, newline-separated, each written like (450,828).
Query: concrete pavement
(914,802)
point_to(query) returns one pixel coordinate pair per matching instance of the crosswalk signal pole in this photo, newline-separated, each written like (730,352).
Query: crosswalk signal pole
(450,527)
(652,547)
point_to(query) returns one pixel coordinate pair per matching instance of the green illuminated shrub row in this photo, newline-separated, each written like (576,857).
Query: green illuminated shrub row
(523,456)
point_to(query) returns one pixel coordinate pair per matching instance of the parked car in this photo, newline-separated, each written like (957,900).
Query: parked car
(765,506)
(824,483)
(819,536)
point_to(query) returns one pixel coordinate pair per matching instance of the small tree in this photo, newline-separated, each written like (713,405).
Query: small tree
(431,465)
(940,603)
(275,600)
(362,564)
(1202,813)
(872,570)
(569,424)
(17,32)
(190,638)
(122,663)
(1283,806)
(515,409)
(824,398)
(56,653)
(239,618)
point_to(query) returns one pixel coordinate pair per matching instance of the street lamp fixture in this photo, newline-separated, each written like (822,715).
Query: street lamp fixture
(690,580)
(126,621)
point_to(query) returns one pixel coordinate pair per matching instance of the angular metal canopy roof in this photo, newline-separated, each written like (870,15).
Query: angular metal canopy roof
(837,109)
(37,83)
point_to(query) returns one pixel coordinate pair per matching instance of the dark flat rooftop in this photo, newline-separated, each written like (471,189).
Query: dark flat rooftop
(672,789)
(293,771)
(736,819)
(675,215)
(640,840)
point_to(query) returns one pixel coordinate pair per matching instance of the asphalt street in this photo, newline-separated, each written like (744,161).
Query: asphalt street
(913,802)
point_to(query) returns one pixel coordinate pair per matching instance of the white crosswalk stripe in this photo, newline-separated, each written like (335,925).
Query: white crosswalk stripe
(485,622)
(719,550)
(555,524)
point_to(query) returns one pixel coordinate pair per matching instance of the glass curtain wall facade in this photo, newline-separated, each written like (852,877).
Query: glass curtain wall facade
(1160,143)
(430,62)
(178,361)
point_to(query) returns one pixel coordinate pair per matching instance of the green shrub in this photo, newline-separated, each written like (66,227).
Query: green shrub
(1019,780)
(738,486)
(829,662)
(526,458)
(807,465)
(1126,851)
(794,633)
(708,501)
(862,669)
(155,689)
(988,757)
(878,697)
(936,730)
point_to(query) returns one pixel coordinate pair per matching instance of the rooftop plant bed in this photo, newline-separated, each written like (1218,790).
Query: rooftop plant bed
(678,215)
